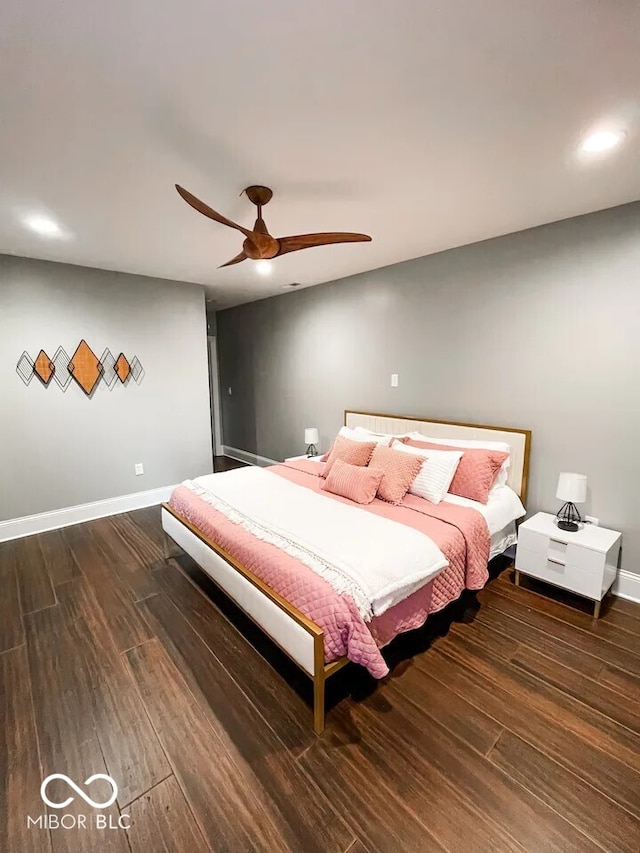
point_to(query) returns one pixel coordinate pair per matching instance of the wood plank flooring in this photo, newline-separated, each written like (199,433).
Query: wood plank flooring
(510,723)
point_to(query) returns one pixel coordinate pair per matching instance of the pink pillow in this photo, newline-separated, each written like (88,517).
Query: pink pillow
(377,440)
(353,482)
(400,470)
(354,452)
(476,471)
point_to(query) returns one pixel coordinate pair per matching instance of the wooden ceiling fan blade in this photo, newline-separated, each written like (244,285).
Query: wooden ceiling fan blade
(236,260)
(307,241)
(205,210)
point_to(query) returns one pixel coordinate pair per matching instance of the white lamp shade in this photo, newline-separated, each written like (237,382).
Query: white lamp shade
(572,487)
(311,435)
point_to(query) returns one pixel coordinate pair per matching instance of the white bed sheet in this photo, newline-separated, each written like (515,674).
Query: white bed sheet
(500,512)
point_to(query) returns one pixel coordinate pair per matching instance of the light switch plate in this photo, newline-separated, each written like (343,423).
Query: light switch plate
(394,380)
(139,469)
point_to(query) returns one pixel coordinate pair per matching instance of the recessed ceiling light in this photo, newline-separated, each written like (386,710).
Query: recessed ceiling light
(263,267)
(43,225)
(602,140)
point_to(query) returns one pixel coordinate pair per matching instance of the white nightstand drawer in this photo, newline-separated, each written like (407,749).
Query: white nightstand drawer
(590,561)
(585,561)
(532,540)
(584,579)
(560,550)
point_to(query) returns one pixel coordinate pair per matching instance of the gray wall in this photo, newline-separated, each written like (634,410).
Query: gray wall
(62,449)
(539,329)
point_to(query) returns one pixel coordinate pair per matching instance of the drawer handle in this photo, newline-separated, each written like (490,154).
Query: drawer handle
(556,561)
(557,541)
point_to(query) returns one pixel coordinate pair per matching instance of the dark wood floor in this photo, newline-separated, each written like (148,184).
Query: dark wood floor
(515,728)
(226,463)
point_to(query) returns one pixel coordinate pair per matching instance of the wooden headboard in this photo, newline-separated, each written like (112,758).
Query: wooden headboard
(518,439)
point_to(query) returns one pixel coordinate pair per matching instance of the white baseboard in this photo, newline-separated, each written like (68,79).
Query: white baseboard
(16,528)
(627,585)
(245,456)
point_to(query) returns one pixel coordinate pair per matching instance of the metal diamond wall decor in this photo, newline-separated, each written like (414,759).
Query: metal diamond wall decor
(108,363)
(61,364)
(44,368)
(24,368)
(137,370)
(83,366)
(123,368)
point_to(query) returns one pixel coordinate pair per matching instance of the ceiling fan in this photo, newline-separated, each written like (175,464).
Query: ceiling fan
(259,244)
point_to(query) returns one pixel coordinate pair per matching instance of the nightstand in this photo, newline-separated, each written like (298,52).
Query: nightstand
(304,456)
(585,562)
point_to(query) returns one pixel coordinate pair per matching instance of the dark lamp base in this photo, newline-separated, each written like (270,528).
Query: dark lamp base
(569,517)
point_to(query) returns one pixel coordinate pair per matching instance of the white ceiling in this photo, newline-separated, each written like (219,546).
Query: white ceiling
(425,124)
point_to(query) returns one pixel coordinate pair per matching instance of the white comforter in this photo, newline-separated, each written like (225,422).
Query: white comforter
(377,561)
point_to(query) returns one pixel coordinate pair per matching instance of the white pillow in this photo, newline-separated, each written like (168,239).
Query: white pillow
(503,473)
(435,475)
(360,434)
(379,436)
(463,442)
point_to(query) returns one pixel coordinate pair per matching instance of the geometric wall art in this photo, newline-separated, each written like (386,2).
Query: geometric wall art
(108,363)
(24,368)
(61,364)
(83,366)
(123,368)
(43,368)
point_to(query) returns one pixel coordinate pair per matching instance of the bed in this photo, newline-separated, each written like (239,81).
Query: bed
(276,544)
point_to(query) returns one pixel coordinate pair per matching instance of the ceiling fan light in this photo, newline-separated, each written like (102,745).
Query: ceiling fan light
(263,267)
(602,140)
(44,226)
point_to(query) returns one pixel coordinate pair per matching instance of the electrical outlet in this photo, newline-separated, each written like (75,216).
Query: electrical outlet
(139,468)
(394,380)
(592,520)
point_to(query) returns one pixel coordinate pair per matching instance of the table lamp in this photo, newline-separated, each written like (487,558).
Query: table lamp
(311,438)
(572,488)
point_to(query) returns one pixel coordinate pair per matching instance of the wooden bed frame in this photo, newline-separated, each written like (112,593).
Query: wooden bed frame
(299,637)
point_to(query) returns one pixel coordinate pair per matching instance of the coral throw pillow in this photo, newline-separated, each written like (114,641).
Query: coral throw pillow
(360,434)
(354,452)
(351,481)
(399,471)
(436,474)
(476,471)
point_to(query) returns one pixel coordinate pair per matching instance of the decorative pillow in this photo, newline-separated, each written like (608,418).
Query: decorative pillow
(462,442)
(380,437)
(350,481)
(468,443)
(400,470)
(359,434)
(354,452)
(476,472)
(436,473)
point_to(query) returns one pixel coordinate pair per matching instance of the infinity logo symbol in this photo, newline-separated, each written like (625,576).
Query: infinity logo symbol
(72,784)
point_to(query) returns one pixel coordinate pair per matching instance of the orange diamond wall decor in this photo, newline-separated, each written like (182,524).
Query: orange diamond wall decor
(85,367)
(43,367)
(122,368)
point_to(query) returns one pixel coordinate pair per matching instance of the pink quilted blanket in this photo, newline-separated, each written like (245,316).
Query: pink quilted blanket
(460,533)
